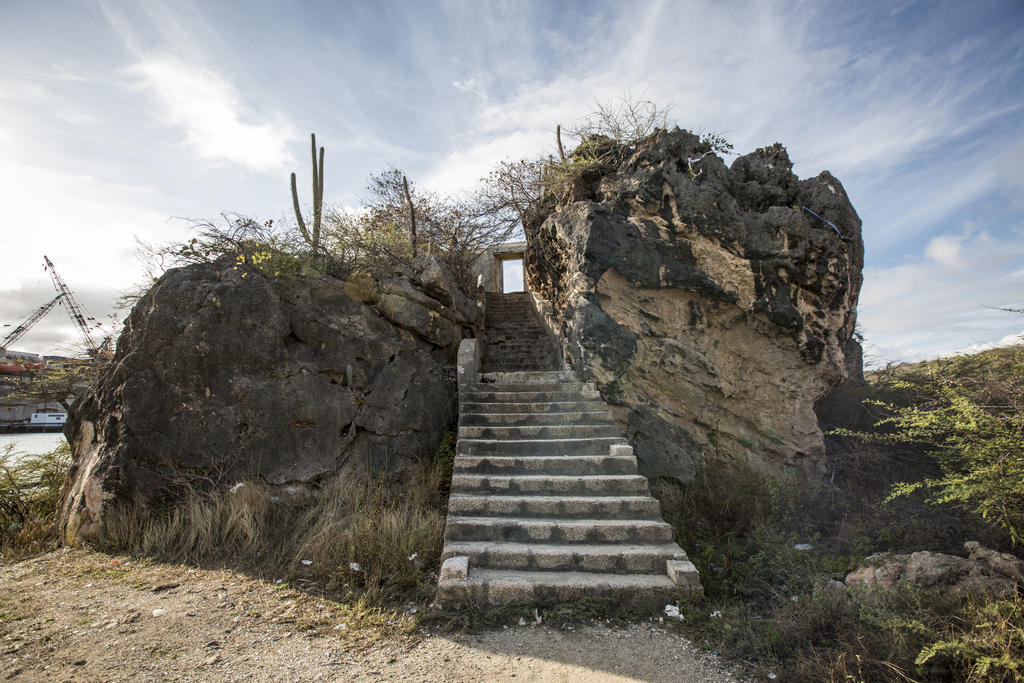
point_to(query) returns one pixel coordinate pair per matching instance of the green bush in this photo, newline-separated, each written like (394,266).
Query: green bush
(968,412)
(30,486)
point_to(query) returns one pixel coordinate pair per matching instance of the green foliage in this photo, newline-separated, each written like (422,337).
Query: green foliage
(772,604)
(990,646)
(29,491)
(968,411)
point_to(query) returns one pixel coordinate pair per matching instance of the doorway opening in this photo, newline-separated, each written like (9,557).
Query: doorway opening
(512,275)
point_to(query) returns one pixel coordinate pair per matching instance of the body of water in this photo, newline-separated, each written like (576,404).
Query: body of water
(42,442)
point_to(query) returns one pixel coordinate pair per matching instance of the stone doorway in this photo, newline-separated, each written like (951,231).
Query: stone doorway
(512,274)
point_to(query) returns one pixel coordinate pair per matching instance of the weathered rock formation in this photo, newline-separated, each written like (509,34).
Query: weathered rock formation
(709,303)
(290,380)
(983,571)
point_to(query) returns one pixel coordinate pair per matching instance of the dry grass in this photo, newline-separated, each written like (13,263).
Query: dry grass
(390,529)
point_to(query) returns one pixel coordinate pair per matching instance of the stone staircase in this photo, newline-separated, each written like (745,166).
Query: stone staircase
(514,339)
(546,500)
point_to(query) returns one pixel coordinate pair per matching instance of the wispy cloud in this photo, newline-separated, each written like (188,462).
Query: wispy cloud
(211,114)
(945,302)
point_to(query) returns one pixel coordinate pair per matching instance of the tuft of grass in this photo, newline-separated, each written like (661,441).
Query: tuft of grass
(378,538)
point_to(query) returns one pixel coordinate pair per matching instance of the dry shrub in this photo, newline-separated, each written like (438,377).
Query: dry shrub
(29,489)
(390,528)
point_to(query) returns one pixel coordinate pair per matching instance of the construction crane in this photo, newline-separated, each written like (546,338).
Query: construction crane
(74,308)
(24,327)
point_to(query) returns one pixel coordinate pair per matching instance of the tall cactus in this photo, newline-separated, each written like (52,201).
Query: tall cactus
(312,237)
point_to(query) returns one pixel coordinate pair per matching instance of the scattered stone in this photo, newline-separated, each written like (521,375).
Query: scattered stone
(984,572)
(159,612)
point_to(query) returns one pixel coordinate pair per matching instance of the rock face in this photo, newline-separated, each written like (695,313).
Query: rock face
(984,571)
(709,303)
(290,380)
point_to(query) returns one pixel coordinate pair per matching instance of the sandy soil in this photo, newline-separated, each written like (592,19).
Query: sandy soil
(86,616)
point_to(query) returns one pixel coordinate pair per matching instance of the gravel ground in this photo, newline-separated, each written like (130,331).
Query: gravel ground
(87,616)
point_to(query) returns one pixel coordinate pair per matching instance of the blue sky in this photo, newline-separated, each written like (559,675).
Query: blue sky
(116,118)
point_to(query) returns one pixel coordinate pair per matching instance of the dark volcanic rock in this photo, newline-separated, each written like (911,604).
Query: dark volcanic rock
(709,303)
(289,380)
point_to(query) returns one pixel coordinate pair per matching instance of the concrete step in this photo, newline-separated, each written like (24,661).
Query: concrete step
(515,367)
(532,396)
(631,592)
(550,485)
(577,507)
(558,531)
(524,447)
(577,465)
(517,339)
(541,407)
(519,366)
(607,559)
(530,377)
(595,417)
(518,433)
(506,387)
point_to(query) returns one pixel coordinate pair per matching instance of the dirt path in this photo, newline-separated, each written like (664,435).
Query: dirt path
(84,616)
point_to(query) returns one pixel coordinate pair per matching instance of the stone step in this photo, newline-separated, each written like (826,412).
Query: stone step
(533,432)
(499,396)
(515,367)
(506,387)
(596,558)
(531,354)
(538,464)
(553,407)
(550,485)
(558,531)
(577,507)
(553,377)
(596,417)
(516,338)
(563,446)
(631,592)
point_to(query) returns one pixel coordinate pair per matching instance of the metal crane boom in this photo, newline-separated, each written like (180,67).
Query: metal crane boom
(74,308)
(24,327)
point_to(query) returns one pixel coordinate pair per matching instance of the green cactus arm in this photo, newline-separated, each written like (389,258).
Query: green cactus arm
(298,211)
(318,202)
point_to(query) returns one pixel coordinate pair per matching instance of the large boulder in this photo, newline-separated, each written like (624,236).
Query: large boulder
(223,375)
(983,571)
(713,305)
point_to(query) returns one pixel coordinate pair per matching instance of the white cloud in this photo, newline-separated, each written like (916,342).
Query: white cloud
(87,232)
(945,250)
(464,167)
(211,113)
(927,309)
